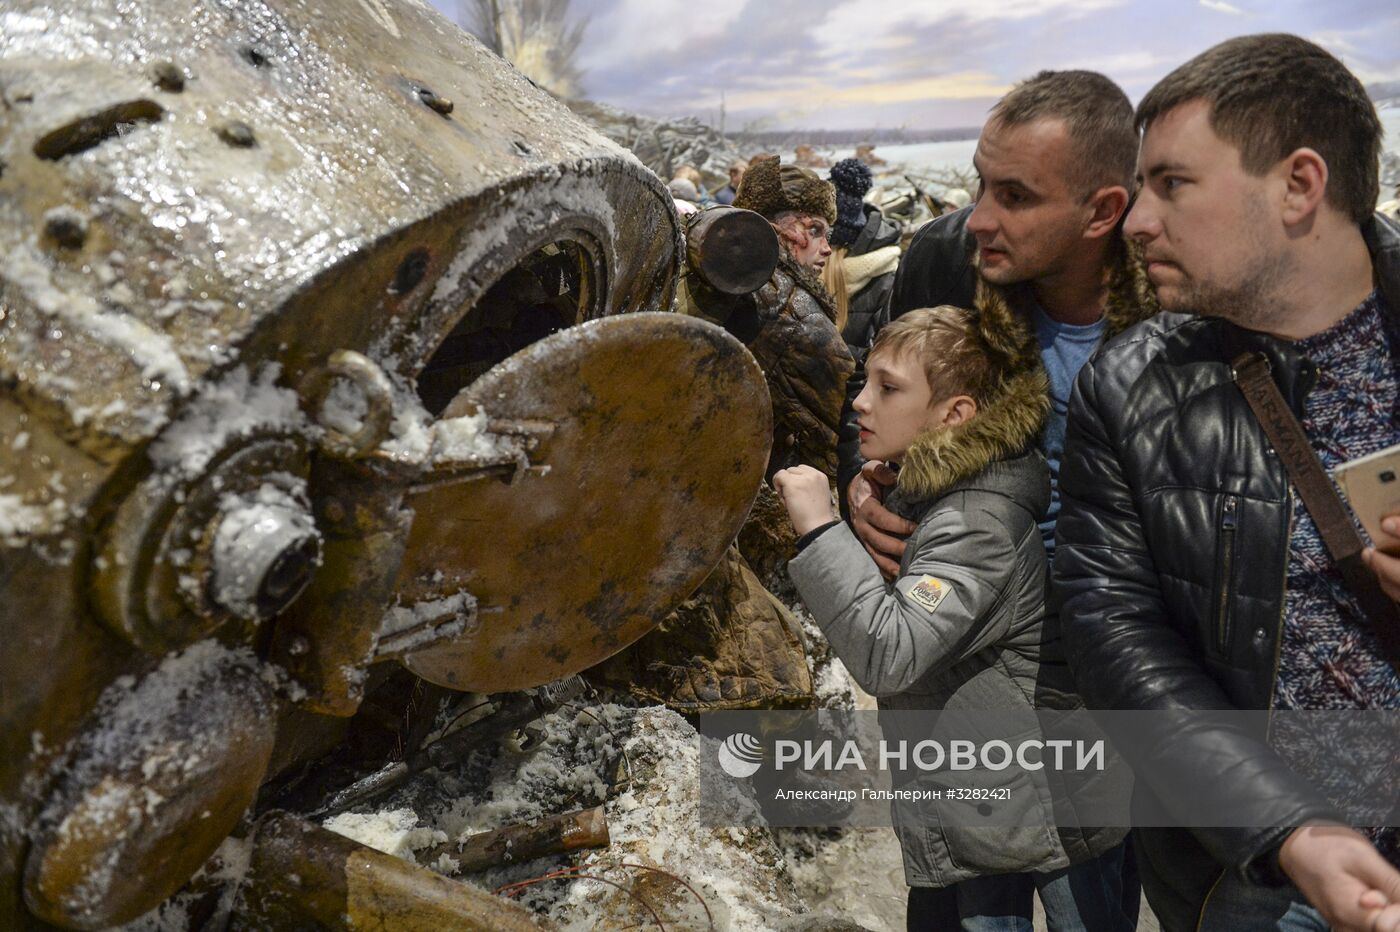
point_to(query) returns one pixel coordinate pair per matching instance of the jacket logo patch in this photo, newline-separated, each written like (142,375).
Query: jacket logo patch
(930,593)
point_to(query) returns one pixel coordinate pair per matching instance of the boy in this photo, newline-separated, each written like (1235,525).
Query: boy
(963,624)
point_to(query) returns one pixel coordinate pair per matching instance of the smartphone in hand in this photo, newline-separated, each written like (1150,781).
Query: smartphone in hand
(1371,485)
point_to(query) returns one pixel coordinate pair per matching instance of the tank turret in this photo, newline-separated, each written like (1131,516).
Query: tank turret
(327,341)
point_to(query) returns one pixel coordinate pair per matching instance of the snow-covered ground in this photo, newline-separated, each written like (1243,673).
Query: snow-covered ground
(641,763)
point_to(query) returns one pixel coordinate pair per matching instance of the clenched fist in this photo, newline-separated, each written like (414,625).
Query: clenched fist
(806,494)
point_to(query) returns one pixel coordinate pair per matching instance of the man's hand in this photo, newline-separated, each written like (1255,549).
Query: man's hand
(1344,877)
(874,524)
(806,494)
(1386,568)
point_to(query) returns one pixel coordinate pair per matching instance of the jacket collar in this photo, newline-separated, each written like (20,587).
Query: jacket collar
(1130,300)
(808,281)
(877,233)
(1009,424)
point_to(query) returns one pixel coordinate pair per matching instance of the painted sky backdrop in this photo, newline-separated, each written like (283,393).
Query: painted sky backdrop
(923,64)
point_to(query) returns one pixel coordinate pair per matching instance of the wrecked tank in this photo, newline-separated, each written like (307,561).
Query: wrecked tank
(329,344)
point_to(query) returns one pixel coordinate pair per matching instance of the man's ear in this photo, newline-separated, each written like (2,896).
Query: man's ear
(1106,207)
(959,410)
(1304,175)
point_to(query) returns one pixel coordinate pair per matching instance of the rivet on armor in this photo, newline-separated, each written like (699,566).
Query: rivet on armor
(434,102)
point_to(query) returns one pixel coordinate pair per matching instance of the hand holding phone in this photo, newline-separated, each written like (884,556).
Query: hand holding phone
(1371,485)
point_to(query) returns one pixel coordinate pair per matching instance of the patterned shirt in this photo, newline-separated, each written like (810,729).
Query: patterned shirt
(1330,659)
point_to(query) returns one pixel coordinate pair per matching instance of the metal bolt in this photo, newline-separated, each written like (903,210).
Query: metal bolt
(264,554)
(433,102)
(1260,634)
(237,134)
(169,76)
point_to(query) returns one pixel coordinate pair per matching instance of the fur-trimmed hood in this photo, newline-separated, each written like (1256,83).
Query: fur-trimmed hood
(1010,422)
(1130,300)
(1005,427)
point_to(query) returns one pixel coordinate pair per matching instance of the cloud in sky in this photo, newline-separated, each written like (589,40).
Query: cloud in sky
(1220,6)
(924,63)
(658,26)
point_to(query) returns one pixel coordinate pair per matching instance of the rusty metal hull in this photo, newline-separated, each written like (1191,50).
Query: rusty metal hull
(205,207)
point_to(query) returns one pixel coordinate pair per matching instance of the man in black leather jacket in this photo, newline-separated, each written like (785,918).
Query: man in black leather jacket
(1187,574)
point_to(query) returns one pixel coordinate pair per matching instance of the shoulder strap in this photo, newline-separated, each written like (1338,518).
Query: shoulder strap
(1252,374)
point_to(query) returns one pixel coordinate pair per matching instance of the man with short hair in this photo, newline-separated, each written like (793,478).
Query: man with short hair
(1055,161)
(1190,575)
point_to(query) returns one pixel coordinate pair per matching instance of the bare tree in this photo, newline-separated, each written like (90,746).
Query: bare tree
(536,36)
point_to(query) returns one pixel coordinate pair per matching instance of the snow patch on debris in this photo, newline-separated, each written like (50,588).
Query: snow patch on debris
(20,520)
(235,406)
(642,764)
(464,438)
(152,351)
(394,831)
(410,432)
(406,628)
(415,436)
(345,408)
(738,871)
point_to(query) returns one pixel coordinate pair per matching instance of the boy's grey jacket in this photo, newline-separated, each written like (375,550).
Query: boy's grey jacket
(984,646)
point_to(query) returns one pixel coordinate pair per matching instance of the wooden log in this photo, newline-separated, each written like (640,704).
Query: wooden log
(302,876)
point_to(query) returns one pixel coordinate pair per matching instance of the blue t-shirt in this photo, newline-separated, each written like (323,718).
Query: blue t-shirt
(1064,348)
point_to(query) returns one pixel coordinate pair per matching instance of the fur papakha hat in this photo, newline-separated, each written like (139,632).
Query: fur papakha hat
(769,189)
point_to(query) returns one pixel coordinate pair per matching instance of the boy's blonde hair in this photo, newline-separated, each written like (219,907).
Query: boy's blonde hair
(946,343)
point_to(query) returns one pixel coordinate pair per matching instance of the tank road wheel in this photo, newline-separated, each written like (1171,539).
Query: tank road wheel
(571,563)
(160,777)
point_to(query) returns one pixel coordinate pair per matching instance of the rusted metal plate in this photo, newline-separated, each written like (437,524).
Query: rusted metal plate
(571,566)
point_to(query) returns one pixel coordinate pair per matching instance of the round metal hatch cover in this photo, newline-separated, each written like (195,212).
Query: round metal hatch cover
(662,427)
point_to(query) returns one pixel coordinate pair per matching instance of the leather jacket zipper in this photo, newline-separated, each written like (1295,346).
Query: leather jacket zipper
(1229,523)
